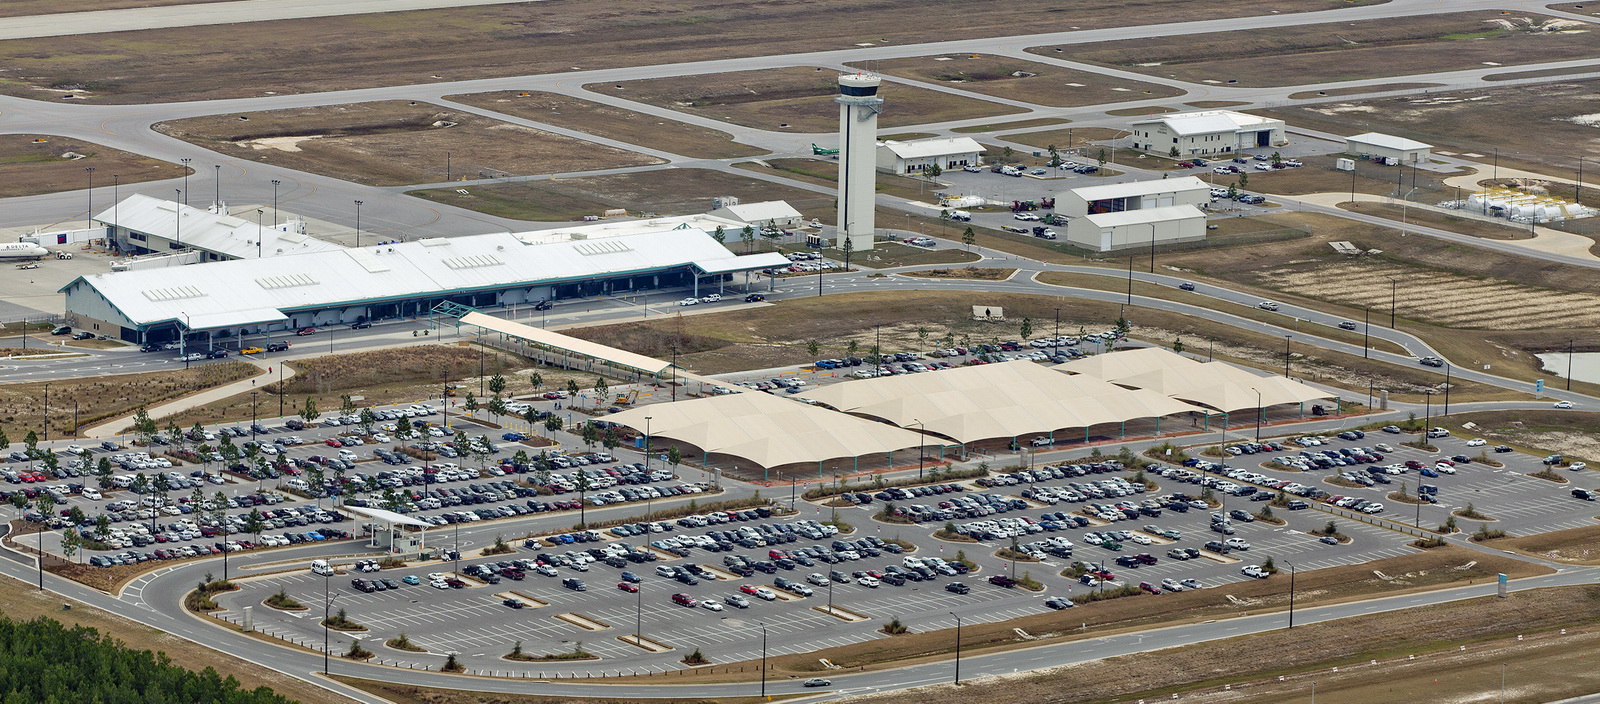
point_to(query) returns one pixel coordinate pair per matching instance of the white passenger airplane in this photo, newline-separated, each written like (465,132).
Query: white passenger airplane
(22,250)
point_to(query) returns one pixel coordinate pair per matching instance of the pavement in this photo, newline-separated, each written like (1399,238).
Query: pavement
(192,15)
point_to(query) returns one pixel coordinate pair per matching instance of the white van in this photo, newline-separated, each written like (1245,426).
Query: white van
(321,567)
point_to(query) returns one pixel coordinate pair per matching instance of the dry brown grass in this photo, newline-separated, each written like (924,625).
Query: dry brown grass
(31,164)
(1015,125)
(99,398)
(612,122)
(1536,432)
(824,172)
(1008,77)
(798,98)
(1444,221)
(1319,176)
(24,8)
(395,142)
(379,377)
(885,255)
(1532,129)
(1360,90)
(1320,53)
(1064,138)
(20,601)
(1439,671)
(969,272)
(1578,546)
(659,192)
(407,694)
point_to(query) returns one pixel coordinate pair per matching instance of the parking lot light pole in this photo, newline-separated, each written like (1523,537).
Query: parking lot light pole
(1056,345)
(327,612)
(1291,592)
(358,224)
(275,184)
(1286,339)
(763,660)
(1259,412)
(647,444)
(638,615)
(921,446)
(1447,388)
(1365,331)
(1569,365)
(1394,293)
(958,647)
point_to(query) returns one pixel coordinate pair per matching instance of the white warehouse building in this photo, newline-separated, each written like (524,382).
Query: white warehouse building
(1120,215)
(1387,148)
(1206,132)
(916,156)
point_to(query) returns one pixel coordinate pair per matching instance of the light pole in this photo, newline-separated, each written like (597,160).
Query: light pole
(1394,293)
(1286,339)
(1130,281)
(1291,591)
(1313,692)
(1366,330)
(647,444)
(177,215)
(1447,389)
(254,419)
(358,223)
(1056,345)
(1152,248)
(181,197)
(1569,365)
(46,412)
(275,184)
(258,232)
(763,660)
(1259,413)
(638,615)
(921,445)
(1502,683)
(877,351)
(218,181)
(958,647)
(327,613)
(89,218)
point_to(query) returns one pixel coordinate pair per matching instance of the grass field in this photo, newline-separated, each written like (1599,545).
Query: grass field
(657,192)
(798,98)
(31,164)
(1572,546)
(1444,221)
(826,173)
(1211,104)
(1360,90)
(1319,53)
(965,272)
(22,602)
(398,48)
(1543,130)
(1079,138)
(1390,657)
(379,377)
(1015,125)
(395,143)
(1538,433)
(1018,79)
(886,255)
(95,399)
(612,122)
(406,694)
(1319,176)
(1545,73)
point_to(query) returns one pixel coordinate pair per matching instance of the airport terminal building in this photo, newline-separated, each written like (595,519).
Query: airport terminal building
(215,301)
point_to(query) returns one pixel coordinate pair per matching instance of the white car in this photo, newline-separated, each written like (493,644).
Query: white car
(1025,216)
(1444,468)
(766,594)
(438,584)
(1253,571)
(1140,539)
(710,605)
(689,302)
(868,581)
(1477,442)
(1575,466)
(1267,305)
(94,495)
(1237,544)
(1564,404)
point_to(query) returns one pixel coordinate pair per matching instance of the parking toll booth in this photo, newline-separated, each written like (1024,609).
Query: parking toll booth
(393,533)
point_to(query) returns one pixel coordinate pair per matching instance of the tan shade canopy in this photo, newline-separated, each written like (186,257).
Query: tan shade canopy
(1217,385)
(1005,400)
(767,430)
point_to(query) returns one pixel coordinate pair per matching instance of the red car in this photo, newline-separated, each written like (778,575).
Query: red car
(628,587)
(1003,581)
(306,331)
(747,588)
(1153,589)
(333,442)
(684,599)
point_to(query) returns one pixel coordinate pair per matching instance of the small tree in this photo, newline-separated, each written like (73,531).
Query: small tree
(1055,155)
(601,390)
(368,420)
(572,388)
(143,425)
(1277,158)
(102,473)
(1233,191)
(71,540)
(848,247)
(1006,153)
(1173,152)
(748,237)
(553,423)
(497,383)
(516,648)
(1266,513)
(308,412)
(5,440)
(347,406)
(1244,180)
(934,171)
(674,457)
(720,234)
(922,335)
(852,347)
(1269,566)
(969,238)
(403,427)
(1100,158)
(1178,346)
(813,347)
(1027,328)
(537,380)
(30,442)
(471,404)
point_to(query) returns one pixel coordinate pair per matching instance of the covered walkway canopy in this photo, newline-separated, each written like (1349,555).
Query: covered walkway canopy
(766,430)
(970,404)
(1216,385)
(568,345)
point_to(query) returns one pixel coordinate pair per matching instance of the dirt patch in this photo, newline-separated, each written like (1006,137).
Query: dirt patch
(612,122)
(1320,53)
(970,272)
(379,377)
(645,193)
(31,164)
(99,398)
(396,142)
(407,694)
(1212,104)
(1536,432)
(1360,90)
(1147,110)
(1019,79)
(1319,176)
(1496,230)
(798,99)
(1064,138)
(1461,657)
(1579,546)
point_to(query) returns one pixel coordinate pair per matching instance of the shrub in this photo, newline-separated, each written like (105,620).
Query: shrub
(894,627)
(695,658)
(450,664)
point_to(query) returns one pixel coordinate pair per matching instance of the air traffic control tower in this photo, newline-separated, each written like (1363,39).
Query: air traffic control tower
(859,105)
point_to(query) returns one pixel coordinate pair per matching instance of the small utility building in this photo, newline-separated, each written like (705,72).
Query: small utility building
(916,156)
(1388,148)
(771,212)
(1206,132)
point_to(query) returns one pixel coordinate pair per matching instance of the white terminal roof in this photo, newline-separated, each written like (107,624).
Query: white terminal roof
(241,292)
(623,228)
(1388,141)
(1144,216)
(757,213)
(1137,189)
(968,404)
(937,146)
(1210,122)
(765,429)
(213,232)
